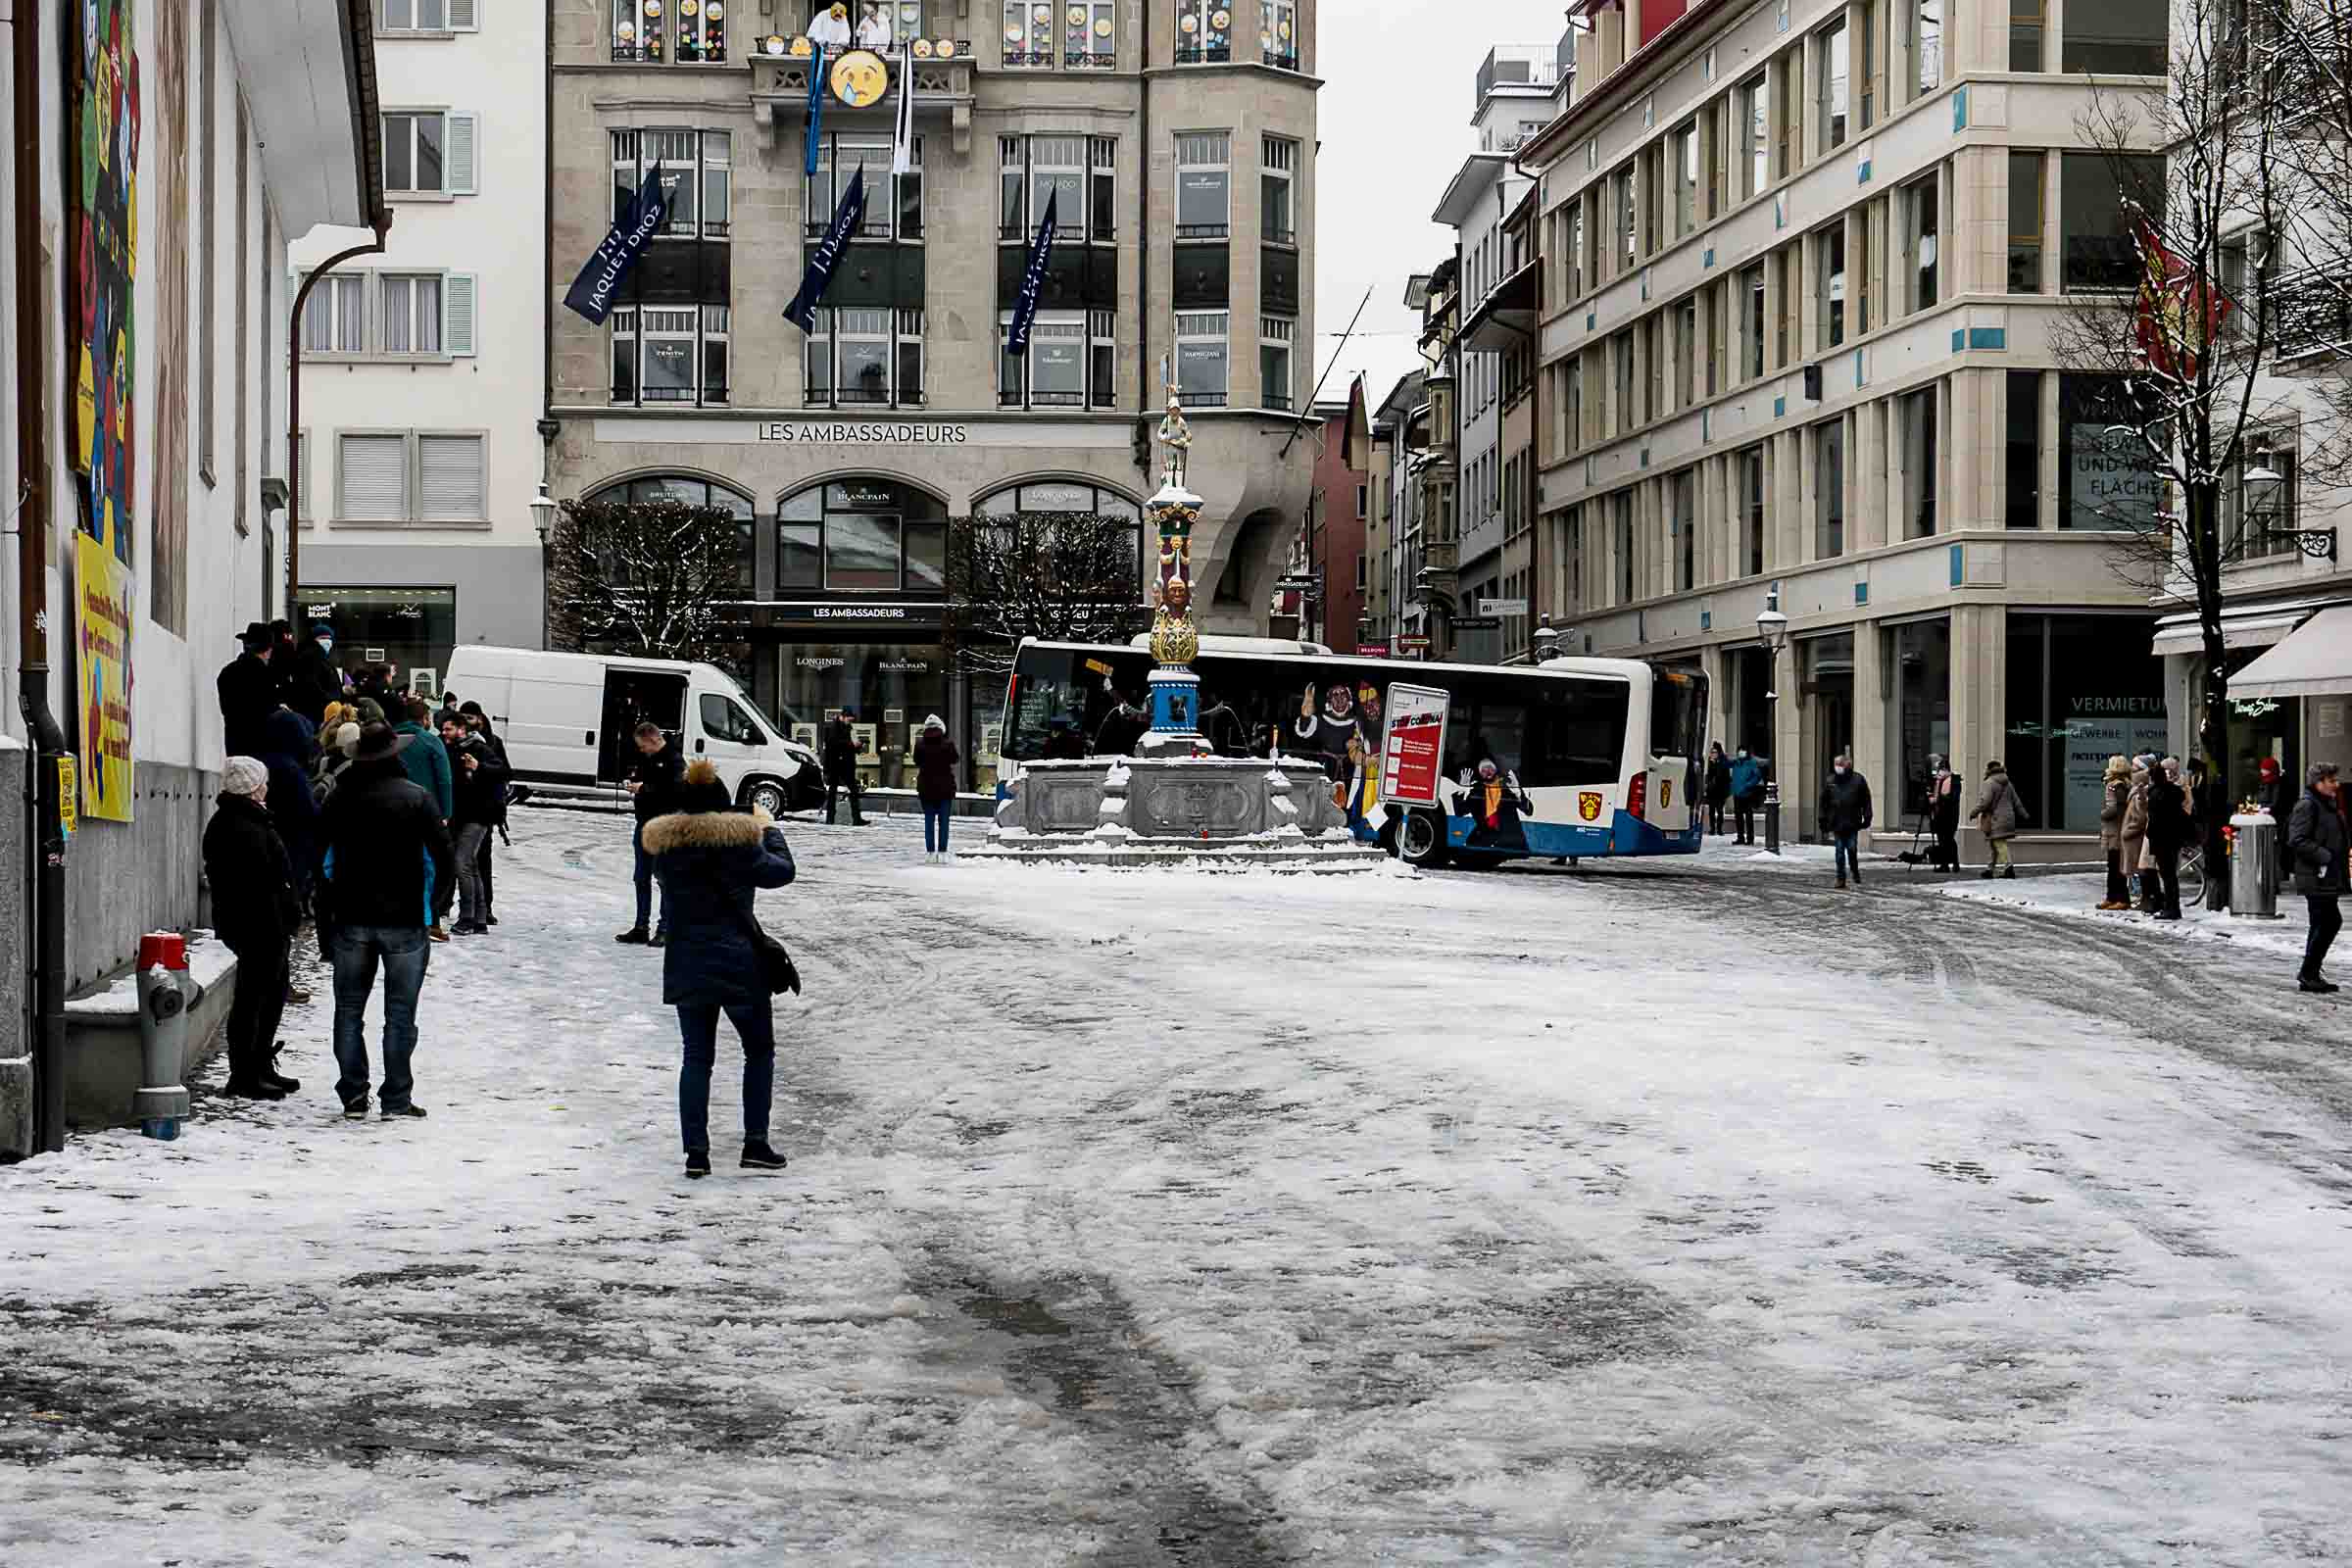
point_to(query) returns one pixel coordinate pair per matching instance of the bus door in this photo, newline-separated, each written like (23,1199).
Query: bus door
(1678,746)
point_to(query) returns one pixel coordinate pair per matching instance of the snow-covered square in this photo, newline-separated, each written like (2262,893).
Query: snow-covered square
(1688,1211)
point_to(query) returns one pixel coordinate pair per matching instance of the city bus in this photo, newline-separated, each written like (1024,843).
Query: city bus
(1609,753)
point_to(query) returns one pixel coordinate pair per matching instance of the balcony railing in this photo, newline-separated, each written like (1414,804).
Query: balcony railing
(1517,66)
(826,397)
(2313,312)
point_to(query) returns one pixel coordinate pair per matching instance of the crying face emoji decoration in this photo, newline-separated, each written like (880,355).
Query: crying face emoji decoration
(861,79)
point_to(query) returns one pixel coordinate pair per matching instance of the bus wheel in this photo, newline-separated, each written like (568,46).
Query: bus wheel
(767,795)
(1421,841)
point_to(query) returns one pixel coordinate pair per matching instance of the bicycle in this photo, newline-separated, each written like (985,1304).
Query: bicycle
(2192,876)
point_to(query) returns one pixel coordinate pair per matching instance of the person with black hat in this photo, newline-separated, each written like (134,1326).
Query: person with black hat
(711,859)
(249,691)
(313,680)
(841,766)
(387,874)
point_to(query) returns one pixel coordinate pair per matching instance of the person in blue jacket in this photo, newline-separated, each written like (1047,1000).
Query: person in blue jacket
(1747,793)
(711,859)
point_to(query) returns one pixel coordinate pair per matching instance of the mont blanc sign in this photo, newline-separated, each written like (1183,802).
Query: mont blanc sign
(855,434)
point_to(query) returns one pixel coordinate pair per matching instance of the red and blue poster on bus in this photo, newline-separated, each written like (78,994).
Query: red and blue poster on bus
(1413,751)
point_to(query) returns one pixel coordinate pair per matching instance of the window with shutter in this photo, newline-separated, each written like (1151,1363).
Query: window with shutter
(458,303)
(463,16)
(450,477)
(463,137)
(373,478)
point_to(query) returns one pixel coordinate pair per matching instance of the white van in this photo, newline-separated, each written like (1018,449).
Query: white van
(570,721)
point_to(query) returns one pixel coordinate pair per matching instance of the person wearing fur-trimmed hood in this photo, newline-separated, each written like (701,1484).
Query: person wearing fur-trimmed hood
(711,859)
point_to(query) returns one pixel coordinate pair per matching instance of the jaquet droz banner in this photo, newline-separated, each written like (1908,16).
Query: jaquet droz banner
(592,292)
(847,217)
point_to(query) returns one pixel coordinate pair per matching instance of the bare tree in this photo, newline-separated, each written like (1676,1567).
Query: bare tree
(2169,361)
(653,578)
(1057,576)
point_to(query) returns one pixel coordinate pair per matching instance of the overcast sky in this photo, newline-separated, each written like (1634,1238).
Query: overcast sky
(1401,78)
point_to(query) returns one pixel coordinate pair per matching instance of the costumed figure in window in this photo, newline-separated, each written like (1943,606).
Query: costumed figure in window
(830,25)
(1496,806)
(1325,735)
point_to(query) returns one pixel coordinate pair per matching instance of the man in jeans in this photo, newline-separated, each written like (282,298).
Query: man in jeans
(655,782)
(387,875)
(1844,813)
(2316,847)
(478,791)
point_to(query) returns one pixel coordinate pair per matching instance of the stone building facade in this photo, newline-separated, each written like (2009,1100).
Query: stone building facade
(1177,140)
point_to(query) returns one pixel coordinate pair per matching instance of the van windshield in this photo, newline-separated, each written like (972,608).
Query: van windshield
(782,732)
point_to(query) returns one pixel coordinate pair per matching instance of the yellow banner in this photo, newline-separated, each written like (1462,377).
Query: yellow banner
(102,609)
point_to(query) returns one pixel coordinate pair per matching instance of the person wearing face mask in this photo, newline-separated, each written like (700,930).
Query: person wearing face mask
(1943,814)
(1845,811)
(1747,790)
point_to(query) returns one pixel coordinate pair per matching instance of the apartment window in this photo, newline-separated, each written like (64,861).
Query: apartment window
(372,478)
(2115,38)
(1654,360)
(1028,34)
(1751,294)
(1791,264)
(1278,161)
(1274,338)
(1575,404)
(670,354)
(1864,42)
(1686,353)
(1921,214)
(449,479)
(411,313)
(429,152)
(1653,192)
(1203,184)
(334,318)
(1573,551)
(1576,249)
(1092,42)
(697,179)
(1078,173)
(412,16)
(2107,477)
(1621,199)
(2021,505)
(1829,272)
(1789,68)
(1865,220)
(1710,336)
(1829,484)
(2026,222)
(1202,357)
(1682,491)
(1928,45)
(650,33)
(1832,63)
(1621,510)
(2028,21)
(865,357)
(1919,463)
(1278,33)
(1751,496)
(2247,272)
(1755,116)
(2095,229)
(837,159)
(1686,180)
(1621,369)
(1203,31)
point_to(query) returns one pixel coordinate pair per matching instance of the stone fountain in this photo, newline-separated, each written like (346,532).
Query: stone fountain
(1175,802)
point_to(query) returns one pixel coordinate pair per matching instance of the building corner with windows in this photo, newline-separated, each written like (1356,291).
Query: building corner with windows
(1766,379)
(1175,141)
(422,374)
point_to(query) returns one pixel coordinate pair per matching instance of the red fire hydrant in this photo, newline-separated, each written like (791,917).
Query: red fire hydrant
(162,1102)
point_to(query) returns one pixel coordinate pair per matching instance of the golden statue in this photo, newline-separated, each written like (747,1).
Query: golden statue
(1175,640)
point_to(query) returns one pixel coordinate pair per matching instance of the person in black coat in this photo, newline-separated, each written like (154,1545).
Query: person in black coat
(286,746)
(1719,785)
(2209,806)
(841,767)
(654,785)
(255,909)
(2170,831)
(385,877)
(478,797)
(711,859)
(1845,811)
(1943,815)
(2316,847)
(477,724)
(249,692)
(313,680)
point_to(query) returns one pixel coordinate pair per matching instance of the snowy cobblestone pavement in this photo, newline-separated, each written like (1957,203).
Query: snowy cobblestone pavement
(1646,1214)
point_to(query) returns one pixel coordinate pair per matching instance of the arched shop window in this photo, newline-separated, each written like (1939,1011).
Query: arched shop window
(870,535)
(1065,494)
(694,492)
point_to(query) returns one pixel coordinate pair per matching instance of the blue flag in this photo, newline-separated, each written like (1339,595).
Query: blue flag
(802,311)
(591,293)
(816,105)
(1033,277)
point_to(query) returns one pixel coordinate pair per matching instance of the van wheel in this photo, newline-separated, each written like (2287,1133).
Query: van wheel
(1421,841)
(767,795)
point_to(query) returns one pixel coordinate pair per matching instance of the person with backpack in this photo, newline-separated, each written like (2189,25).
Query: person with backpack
(711,859)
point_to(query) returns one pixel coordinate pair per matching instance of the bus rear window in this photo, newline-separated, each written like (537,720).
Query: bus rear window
(1678,705)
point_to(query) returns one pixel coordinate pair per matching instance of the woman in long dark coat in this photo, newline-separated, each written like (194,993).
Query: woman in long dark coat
(256,907)
(711,859)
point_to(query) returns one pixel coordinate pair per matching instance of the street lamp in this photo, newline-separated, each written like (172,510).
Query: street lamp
(1773,627)
(2267,506)
(543,518)
(543,514)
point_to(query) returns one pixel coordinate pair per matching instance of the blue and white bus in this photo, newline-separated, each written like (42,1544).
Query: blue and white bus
(1608,753)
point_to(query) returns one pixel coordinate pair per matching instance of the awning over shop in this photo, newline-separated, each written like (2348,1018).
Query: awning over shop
(2316,660)
(2245,626)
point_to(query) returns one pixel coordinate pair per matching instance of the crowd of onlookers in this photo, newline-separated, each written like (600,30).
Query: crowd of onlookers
(362,814)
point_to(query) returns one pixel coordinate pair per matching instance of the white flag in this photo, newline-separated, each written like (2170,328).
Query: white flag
(902,156)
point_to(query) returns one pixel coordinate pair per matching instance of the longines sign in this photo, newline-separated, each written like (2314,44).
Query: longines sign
(884,434)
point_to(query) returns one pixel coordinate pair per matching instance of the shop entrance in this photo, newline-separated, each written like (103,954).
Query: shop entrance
(1829,665)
